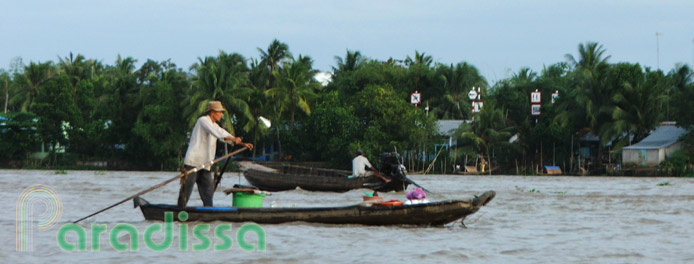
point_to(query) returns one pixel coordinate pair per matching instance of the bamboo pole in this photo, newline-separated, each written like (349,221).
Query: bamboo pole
(431,165)
(206,165)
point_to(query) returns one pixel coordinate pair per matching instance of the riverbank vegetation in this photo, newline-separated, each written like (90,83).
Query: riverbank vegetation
(79,111)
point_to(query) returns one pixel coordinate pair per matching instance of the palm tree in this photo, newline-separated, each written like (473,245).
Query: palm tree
(225,79)
(295,85)
(275,54)
(83,75)
(5,78)
(487,130)
(524,75)
(681,76)
(456,80)
(164,88)
(592,105)
(682,97)
(513,94)
(590,59)
(352,61)
(638,110)
(420,74)
(35,75)
(345,73)
(123,79)
(419,59)
(150,72)
(76,68)
(258,101)
(120,109)
(591,92)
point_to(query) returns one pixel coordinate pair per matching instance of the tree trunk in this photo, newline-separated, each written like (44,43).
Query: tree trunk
(291,105)
(255,139)
(490,161)
(7,95)
(279,145)
(571,160)
(542,158)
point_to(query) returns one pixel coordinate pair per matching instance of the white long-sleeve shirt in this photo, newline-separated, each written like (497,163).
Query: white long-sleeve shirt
(359,165)
(203,142)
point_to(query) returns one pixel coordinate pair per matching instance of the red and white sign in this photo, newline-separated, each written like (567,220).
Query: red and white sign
(535,97)
(472,94)
(477,106)
(416,98)
(535,109)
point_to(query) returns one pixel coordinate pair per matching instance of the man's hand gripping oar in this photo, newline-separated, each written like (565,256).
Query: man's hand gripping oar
(218,177)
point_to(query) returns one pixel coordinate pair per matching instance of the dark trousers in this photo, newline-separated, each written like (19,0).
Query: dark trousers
(205,187)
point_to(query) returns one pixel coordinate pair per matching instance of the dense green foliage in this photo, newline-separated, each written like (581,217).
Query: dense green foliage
(139,118)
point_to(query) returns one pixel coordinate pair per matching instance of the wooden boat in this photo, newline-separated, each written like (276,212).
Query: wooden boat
(472,170)
(290,177)
(429,214)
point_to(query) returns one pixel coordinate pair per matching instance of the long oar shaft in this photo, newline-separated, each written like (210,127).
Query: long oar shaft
(420,186)
(217,180)
(206,165)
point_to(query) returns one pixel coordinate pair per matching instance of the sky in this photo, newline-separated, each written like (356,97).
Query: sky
(497,37)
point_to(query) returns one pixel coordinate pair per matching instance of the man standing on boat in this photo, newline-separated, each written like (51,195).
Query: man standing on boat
(361,163)
(201,149)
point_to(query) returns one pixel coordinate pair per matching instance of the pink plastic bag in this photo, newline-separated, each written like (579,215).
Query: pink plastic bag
(416,194)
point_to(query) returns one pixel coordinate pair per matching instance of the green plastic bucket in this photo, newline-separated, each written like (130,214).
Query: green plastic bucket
(248,200)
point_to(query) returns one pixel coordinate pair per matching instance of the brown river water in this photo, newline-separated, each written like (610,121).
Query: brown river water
(531,220)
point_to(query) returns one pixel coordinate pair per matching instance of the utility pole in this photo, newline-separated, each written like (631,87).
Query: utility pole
(657,48)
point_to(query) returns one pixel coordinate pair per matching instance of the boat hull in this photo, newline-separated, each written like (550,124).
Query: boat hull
(290,177)
(429,214)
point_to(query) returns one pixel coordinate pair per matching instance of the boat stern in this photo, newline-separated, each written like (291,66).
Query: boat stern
(137,201)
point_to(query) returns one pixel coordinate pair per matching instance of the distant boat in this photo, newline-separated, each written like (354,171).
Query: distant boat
(427,214)
(290,177)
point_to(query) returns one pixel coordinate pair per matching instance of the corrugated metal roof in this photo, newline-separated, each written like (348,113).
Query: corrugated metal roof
(448,127)
(663,136)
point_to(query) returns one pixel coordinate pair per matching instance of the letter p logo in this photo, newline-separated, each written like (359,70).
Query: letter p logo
(42,202)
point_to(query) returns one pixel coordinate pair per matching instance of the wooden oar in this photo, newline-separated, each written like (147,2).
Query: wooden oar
(218,178)
(406,179)
(415,184)
(378,174)
(206,165)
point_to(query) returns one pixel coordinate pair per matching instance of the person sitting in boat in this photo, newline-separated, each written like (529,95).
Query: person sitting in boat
(201,149)
(360,164)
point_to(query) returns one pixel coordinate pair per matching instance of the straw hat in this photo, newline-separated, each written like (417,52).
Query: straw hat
(215,106)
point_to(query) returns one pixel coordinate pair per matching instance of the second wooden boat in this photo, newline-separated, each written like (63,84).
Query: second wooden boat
(289,177)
